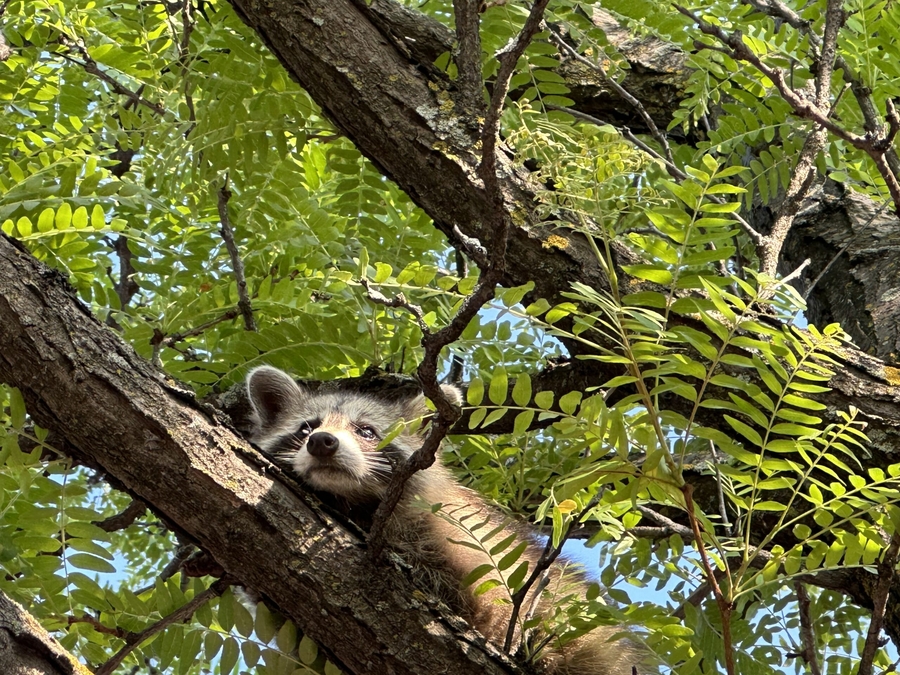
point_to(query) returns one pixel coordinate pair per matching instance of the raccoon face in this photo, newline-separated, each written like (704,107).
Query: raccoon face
(330,439)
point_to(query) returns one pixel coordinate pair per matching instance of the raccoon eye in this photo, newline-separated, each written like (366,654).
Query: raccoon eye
(367,432)
(305,430)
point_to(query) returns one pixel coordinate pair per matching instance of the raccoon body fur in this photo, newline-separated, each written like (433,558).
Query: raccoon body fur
(329,440)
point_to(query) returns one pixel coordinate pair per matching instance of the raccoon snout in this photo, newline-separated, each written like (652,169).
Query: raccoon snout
(322,444)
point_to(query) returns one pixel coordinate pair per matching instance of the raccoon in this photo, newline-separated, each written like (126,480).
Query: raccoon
(330,440)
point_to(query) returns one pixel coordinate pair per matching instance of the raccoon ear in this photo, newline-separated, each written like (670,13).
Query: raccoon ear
(453,393)
(416,406)
(271,393)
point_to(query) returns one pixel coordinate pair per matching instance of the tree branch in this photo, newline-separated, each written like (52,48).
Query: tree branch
(468,53)
(183,613)
(434,342)
(886,571)
(237,265)
(807,630)
(27,649)
(120,521)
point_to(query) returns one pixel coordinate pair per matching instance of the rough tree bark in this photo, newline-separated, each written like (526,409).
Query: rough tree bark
(27,649)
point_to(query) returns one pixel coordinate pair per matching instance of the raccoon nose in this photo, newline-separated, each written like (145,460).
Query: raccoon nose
(322,444)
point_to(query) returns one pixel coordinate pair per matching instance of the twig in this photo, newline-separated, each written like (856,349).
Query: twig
(492,271)
(183,613)
(797,272)
(807,630)
(456,363)
(886,569)
(175,338)
(472,247)
(508,57)
(120,521)
(398,301)
(620,90)
(90,66)
(182,553)
(187,28)
(697,597)
(725,605)
(236,263)
(873,143)
(99,627)
(548,556)
(468,53)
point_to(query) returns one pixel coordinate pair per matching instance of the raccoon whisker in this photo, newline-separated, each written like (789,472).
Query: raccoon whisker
(380,473)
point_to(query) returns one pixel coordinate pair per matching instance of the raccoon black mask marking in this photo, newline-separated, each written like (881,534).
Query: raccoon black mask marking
(331,439)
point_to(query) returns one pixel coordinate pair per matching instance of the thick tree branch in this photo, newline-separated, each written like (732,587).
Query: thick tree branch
(27,649)
(468,52)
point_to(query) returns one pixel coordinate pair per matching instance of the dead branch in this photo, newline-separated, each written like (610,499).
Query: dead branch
(491,275)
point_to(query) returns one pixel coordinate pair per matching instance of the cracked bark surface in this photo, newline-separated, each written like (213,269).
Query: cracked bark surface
(27,649)
(846,230)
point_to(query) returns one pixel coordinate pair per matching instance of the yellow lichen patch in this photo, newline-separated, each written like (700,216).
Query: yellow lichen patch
(892,375)
(434,86)
(555,241)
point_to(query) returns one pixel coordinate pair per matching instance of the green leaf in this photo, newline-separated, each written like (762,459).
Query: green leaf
(512,557)
(476,574)
(230,653)
(475,392)
(649,273)
(544,400)
(286,640)
(383,272)
(744,430)
(499,386)
(307,651)
(522,423)
(86,561)
(521,393)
